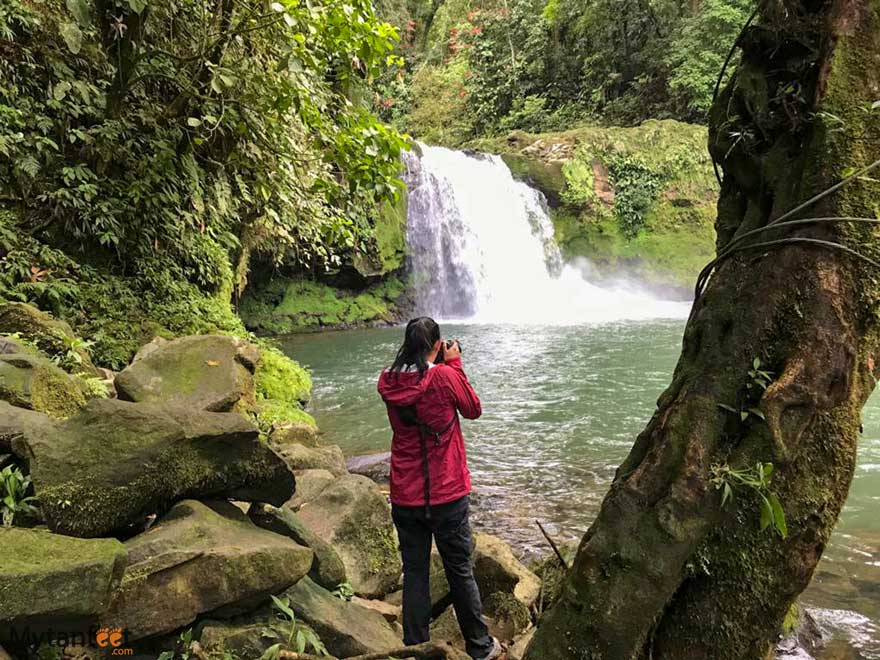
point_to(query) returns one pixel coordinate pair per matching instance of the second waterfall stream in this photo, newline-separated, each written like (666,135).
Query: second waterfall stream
(481,249)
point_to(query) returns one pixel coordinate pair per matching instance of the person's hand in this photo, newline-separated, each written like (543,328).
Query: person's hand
(451,352)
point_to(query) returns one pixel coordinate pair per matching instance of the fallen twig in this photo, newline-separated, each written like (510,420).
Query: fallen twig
(552,544)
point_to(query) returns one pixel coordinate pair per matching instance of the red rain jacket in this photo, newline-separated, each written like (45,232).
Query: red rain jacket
(437,395)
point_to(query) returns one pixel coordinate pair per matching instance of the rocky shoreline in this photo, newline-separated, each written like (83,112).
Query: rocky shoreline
(168,523)
(184,508)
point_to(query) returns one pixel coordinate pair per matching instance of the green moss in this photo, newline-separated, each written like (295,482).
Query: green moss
(549,178)
(373,539)
(55,393)
(283,306)
(283,386)
(281,378)
(504,606)
(390,232)
(279,412)
(26,550)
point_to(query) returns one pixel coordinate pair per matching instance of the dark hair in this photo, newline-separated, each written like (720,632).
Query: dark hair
(418,341)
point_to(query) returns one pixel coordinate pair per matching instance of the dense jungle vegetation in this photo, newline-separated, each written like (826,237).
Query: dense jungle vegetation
(478,67)
(153,150)
(156,154)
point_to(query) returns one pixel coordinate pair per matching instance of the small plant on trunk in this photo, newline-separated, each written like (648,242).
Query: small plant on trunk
(756,479)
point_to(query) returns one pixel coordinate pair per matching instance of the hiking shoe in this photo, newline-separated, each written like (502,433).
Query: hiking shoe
(495,652)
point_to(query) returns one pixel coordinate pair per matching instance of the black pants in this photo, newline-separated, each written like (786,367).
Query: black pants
(451,530)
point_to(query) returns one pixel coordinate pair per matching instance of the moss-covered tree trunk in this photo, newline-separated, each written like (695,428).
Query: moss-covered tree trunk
(666,572)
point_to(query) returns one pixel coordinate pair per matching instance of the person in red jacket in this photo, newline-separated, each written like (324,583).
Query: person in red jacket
(424,390)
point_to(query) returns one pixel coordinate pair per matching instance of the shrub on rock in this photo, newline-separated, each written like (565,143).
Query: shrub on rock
(116,462)
(34,382)
(54,337)
(197,559)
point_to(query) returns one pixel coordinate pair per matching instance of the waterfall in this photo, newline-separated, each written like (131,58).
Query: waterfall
(481,249)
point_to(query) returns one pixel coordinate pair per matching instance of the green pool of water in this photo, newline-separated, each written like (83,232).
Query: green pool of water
(561,408)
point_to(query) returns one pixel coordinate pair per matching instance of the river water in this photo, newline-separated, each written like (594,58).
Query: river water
(561,408)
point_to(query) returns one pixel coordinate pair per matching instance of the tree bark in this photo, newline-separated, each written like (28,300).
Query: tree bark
(666,572)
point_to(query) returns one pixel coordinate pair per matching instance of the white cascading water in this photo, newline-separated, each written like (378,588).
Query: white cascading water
(482,250)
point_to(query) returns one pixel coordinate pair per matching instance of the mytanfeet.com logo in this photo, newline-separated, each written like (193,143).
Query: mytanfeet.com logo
(112,640)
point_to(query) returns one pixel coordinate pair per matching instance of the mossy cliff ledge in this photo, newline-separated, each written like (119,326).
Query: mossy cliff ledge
(282,305)
(636,202)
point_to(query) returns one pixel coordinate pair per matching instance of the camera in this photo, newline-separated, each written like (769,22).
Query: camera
(447,344)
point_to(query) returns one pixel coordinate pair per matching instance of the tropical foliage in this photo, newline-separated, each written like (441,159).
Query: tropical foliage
(484,66)
(172,143)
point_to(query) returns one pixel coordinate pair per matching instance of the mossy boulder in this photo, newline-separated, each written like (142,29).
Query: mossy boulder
(197,559)
(34,382)
(294,433)
(309,484)
(354,517)
(508,588)
(52,336)
(299,457)
(206,372)
(283,387)
(116,462)
(346,628)
(327,568)
(285,306)
(49,580)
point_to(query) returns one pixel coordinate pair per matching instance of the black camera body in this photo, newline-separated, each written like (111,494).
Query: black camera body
(447,345)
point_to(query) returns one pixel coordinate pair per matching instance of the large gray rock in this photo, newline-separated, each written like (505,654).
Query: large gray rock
(327,569)
(375,466)
(116,462)
(47,579)
(34,382)
(299,457)
(345,628)
(445,628)
(309,484)
(204,372)
(355,518)
(508,588)
(198,559)
(14,421)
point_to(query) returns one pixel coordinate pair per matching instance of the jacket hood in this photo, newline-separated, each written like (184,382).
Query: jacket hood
(404,388)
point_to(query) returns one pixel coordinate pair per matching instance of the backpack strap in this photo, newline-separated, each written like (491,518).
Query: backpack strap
(408,416)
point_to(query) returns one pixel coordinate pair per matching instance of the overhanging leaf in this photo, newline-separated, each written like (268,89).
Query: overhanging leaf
(80,11)
(72,37)
(778,515)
